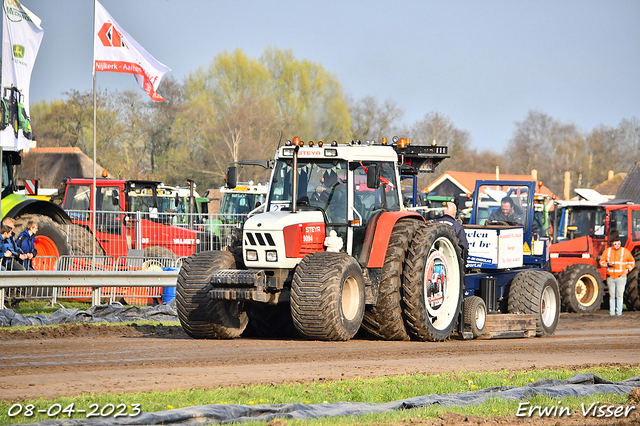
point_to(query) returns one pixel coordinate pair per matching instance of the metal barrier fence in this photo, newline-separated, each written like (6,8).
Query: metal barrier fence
(103,284)
(130,243)
(150,234)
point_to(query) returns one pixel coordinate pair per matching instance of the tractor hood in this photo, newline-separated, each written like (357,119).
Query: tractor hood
(281,239)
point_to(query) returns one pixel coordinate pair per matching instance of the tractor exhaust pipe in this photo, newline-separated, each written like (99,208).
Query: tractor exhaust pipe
(294,182)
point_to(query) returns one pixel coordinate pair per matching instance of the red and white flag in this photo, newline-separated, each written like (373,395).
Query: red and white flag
(114,50)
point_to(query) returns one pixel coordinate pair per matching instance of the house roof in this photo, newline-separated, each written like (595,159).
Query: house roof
(630,188)
(50,165)
(466,181)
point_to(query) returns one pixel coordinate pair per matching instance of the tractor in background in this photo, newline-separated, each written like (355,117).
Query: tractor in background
(581,234)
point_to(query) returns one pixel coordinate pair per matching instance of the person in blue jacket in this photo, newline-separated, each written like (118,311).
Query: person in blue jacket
(26,242)
(10,258)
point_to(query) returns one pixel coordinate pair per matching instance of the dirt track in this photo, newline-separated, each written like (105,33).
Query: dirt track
(86,358)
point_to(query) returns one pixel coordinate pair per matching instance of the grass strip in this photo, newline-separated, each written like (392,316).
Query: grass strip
(377,390)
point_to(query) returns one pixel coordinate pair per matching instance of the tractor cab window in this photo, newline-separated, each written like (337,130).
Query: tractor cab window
(618,222)
(635,217)
(78,201)
(507,205)
(143,200)
(321,185)
(108,210)
(5,175)
(368,201)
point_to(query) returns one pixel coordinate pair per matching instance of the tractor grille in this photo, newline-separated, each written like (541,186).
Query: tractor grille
(260,238)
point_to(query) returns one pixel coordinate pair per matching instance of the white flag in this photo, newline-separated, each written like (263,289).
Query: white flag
(114,50)
(21,37)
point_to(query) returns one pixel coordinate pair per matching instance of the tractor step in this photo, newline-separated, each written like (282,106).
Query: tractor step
(509,326)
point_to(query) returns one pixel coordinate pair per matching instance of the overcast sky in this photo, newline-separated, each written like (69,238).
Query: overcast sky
(484,64)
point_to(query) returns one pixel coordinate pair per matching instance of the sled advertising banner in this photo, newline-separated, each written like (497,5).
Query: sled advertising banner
(114,50)
(21,38)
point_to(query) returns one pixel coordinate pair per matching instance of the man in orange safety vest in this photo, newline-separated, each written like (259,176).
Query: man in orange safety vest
(619,262)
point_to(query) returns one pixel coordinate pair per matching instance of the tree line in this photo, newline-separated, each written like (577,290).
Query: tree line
(240,108)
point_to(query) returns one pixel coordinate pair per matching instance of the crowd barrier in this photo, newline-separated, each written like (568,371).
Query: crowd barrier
(129,243)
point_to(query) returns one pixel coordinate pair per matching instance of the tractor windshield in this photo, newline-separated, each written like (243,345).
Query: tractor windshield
(321,184)
(507,205)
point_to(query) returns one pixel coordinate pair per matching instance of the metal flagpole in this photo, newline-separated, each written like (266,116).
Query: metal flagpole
(94,192)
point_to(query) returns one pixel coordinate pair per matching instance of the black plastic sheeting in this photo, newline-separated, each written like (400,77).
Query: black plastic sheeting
(576,386)
(98,313)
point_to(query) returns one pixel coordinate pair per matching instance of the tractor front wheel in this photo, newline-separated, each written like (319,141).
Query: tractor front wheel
(202,317)
(581,288)
(475,314)
(433,283)
(327,296)
(536,292)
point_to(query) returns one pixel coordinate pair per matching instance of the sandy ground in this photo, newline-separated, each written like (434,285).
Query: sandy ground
(82,358)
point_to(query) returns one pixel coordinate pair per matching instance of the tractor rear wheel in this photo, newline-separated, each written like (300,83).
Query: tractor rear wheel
(536,292)
(50,239)
(581,288)
(433,283)
(327,296)
(632,289)
(202,317)
(385,320)
(475,314)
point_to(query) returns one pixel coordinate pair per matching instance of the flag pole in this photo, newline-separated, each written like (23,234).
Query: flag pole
(95,190)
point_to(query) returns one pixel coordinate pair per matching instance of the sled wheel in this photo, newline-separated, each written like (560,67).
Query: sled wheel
(384,320)
(536,292)
(581,288)
(632,289)
(433,283)
(475,314)
(202,317)
(327,296)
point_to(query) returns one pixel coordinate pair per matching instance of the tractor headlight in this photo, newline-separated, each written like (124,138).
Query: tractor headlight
(252,255)
(287,152)
(272,256)
(330,152)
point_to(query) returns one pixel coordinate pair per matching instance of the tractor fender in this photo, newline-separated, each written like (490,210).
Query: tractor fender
(376,239)
(17,205)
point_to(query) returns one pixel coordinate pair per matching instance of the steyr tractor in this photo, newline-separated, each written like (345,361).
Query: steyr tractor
(582,231)
(51,239)
(334,250)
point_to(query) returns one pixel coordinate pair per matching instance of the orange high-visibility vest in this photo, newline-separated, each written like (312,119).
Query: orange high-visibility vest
(622,261)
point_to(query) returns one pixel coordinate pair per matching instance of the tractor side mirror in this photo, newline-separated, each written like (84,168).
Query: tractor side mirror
(115,198)
(232,177)
(177,202)
(373,177)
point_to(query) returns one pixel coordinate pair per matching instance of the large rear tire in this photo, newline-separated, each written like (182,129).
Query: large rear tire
(581,288)
(433,283)
(385,320)
(536,292)
(327,296)
(50,239)
(632,289)
(202,317)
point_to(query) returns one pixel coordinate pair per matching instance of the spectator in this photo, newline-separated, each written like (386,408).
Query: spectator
(449,217)
(9,262)
(26,243)
(507,213)
(619,262)
(12,263)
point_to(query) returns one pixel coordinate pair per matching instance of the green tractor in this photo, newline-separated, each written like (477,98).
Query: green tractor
(13,112)
(54,237)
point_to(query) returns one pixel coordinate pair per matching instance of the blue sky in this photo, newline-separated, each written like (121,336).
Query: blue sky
(484,64)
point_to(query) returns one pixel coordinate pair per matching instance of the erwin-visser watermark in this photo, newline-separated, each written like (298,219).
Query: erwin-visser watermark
(525,409)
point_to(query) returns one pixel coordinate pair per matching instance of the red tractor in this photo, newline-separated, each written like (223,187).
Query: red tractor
(585,229)
(128,218)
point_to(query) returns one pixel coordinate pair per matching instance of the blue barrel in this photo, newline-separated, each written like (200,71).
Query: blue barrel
(169,293)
